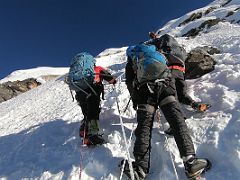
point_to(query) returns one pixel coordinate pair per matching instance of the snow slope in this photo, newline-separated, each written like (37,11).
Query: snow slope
(37,73)
(39,129)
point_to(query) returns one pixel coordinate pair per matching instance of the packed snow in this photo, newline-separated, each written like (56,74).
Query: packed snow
(39,129)
(37,73)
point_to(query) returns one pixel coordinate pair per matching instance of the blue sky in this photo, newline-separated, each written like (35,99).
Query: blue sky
(37,33)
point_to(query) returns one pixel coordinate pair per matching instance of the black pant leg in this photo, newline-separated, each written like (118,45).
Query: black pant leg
(82,101)
(181,88)
(182,137)
(143,133)
(90,104)
(93,109)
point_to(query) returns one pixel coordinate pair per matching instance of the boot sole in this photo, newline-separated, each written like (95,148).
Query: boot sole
(197,175)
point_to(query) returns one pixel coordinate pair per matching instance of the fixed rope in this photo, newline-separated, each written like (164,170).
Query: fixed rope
(167,145)
(171,157)
(81,165)
(124,133)
(129,144)
(131,134)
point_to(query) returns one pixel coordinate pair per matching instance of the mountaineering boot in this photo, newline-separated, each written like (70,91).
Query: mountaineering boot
(139,173)
(194,167)
(83,130)
(93,137)
(201,107)
(93,126)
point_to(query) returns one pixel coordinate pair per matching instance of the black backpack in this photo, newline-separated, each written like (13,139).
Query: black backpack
(175,54)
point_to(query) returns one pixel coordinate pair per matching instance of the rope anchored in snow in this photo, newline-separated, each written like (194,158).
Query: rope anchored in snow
(124,134)
(168,148)
(131,134)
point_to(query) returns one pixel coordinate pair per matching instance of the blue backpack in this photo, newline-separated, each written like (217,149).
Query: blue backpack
(81,73)
(148,63)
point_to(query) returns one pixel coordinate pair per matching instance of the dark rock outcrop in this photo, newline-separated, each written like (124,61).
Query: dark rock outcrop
(237,9)
(210,50)
(209,10)
(207,24)
(193,17)
(230,13)
(10,89)
(224,4)
(198,63)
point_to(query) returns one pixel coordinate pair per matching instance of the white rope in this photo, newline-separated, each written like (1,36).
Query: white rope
(124,134)
(170,153)
(120,76)
(122,166)
(129,144)
(125,140)
(168,148)
(81,165)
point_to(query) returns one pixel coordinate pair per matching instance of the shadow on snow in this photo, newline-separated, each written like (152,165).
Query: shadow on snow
(51,146)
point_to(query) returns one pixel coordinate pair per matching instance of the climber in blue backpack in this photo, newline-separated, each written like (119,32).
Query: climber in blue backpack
(85,78)
(176,56)
(149,82)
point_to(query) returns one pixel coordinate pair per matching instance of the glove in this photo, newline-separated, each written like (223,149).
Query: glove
(200,106)
(195,105)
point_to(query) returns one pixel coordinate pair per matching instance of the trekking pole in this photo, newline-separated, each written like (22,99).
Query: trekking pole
(66,80)
(170,153)
(120,79)
(124,137)
(125,109)
(72,95)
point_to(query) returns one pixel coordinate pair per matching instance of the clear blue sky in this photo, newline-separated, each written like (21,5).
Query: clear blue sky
(50,32)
